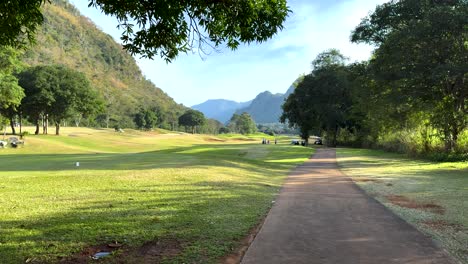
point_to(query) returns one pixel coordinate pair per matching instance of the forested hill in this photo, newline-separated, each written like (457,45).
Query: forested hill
(69,38)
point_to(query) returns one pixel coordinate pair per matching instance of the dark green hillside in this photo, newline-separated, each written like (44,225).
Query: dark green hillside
(71,39)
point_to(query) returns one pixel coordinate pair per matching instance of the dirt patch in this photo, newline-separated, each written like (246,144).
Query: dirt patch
(154,251)
(236,256)
(244,139)
(150,252)
(442,225)
(85,256)
(214,140)
(365,180)
(403,201)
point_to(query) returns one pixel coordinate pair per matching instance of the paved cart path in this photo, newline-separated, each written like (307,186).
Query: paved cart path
(321,216)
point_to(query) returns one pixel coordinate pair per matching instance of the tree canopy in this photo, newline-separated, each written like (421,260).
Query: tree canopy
(57,92)
(192,118)
(145,119)
(421,59)
(19,20)
(164,28)
(321,101)
(243,124)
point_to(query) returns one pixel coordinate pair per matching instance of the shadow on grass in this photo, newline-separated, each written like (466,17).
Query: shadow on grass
(207,216)
(190,156)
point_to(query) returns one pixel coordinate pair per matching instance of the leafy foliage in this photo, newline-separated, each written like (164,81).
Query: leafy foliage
(10,92)
(19,20)
(421,59)
(243,124)
(321,102)
(166,28)
(163,28)
(145,119)
(57,92)
(192,118)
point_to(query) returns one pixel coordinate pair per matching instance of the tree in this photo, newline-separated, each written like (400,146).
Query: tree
(421,58)
(19,21)
(10,92)
(145,119)
(243,124)
(56,92)
(192,118)
(212,126)
(321,102)
(164,28)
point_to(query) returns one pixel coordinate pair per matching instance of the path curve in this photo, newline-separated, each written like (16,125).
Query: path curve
(321,216)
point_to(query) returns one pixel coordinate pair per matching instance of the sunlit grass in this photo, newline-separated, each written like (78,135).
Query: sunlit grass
(444,184)
(135,187)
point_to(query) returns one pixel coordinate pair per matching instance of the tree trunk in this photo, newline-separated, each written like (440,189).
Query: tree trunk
(107,120)
(20,116)
(57,128)
(12,124)
(37,127)
(47,124)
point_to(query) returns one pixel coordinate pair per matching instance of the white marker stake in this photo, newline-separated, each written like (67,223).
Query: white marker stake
(77,164)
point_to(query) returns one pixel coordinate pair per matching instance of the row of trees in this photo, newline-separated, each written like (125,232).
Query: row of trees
(57,94)
(416,81)
(44,94)
(194,121)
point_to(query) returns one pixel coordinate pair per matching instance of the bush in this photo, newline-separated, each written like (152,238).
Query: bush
(23,134)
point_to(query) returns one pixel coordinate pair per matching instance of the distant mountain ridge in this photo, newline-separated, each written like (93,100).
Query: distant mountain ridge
(220,109)
(266,107)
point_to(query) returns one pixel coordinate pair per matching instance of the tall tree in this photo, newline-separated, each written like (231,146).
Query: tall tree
(10,92)
(145,119)
(422,57)
(57,92)
(243,124)
(321,102)
(164,28)
(192,118)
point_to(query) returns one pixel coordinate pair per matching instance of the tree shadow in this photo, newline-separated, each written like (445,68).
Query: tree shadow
(180,157)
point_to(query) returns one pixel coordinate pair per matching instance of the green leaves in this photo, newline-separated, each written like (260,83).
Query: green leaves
(243,124)
(422,56)
(19,20)
(192,118)
(166,28)
(321,102)
(57,91)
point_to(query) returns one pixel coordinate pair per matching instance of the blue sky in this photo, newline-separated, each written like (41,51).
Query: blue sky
(314,26)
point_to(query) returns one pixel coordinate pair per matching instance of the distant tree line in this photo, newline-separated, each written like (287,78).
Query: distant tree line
(411,96)
(58,95)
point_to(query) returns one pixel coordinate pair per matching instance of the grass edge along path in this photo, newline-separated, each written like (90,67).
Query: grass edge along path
(166,198)
(431,196)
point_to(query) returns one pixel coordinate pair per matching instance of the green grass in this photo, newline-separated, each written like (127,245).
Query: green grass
(202,191)
(384,175)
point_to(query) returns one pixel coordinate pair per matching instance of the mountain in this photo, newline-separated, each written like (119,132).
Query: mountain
(70,39)
(220,109)
(266,107)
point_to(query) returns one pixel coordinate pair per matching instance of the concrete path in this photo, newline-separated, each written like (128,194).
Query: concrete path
(321,216)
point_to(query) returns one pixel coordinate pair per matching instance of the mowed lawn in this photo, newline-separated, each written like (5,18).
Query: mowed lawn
(166,197)
(431,196)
